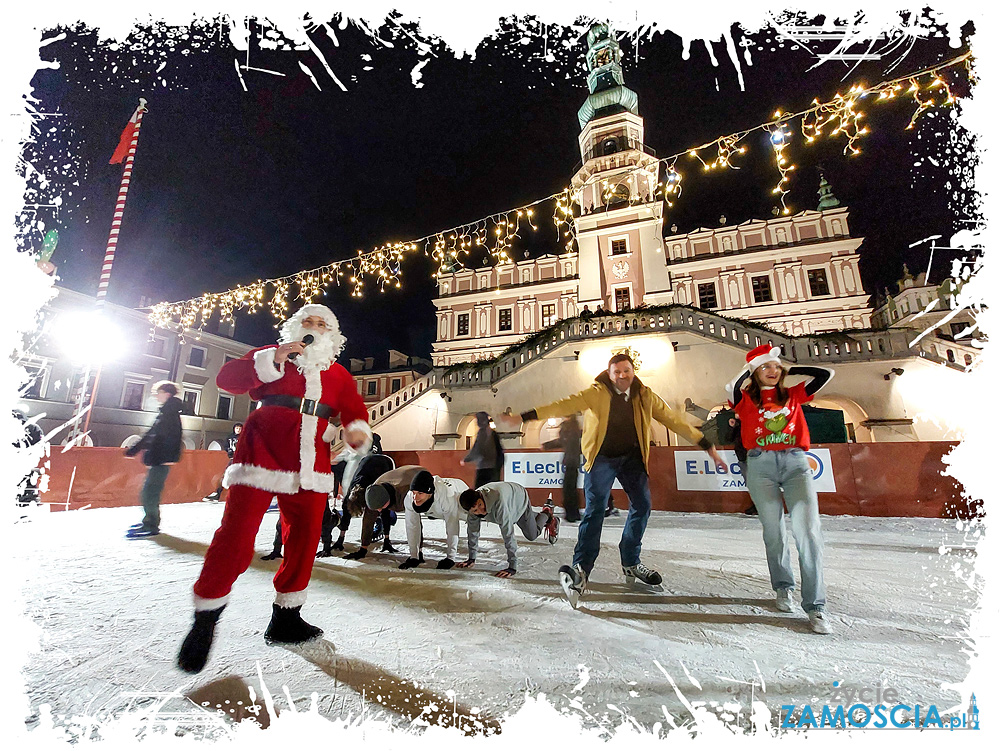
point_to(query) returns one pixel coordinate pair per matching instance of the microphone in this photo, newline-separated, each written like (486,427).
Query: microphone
(307,339)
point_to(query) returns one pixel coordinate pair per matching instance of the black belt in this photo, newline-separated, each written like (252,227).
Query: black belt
(304,406)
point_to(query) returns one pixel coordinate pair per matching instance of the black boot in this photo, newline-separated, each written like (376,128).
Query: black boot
(198,642)
(287,627)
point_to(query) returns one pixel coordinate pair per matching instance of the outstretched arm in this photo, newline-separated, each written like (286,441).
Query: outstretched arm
(737,392)
(819,377)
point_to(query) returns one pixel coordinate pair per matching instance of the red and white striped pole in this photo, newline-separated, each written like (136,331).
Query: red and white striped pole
(116,222)
(125,152)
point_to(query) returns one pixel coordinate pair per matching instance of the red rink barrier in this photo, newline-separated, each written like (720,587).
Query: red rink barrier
(872,479)
(105,477)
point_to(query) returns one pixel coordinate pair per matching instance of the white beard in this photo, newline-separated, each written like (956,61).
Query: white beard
(320,354)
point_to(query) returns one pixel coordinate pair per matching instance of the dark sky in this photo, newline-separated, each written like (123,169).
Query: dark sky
(230,186)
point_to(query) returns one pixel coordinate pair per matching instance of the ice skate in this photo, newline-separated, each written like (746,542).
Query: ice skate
(819,622)
(574,583)
(551,531)
(644,574)
(287,627)
(784,600)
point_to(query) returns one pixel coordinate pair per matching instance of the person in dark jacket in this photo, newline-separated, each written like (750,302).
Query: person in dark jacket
(160,447)
(369,470)
(486,453)
(230,446)
(569,441)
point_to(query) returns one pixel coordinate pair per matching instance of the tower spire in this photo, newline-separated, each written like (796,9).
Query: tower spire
(608,93)
(827,200)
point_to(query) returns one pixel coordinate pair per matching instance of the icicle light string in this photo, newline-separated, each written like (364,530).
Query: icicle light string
(495,235)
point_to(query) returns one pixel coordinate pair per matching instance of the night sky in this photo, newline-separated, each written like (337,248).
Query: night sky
(230,186)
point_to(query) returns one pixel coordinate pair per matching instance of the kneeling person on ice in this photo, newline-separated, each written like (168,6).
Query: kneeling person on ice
(505,504)
(436,498)
(383,501)
(618,426)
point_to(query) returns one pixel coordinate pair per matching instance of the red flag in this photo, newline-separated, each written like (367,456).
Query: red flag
(126,140)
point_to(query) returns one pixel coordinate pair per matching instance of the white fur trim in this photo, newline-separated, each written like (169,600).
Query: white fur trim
(264,367)
(365,428)
(202,603)
(271,480)
(309,479)
(732,384)
(774,355)
(290,599)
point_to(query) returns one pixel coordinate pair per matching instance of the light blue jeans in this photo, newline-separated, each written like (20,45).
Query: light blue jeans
(769,475)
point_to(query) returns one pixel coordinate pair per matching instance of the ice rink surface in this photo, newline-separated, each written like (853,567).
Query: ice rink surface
(112,614)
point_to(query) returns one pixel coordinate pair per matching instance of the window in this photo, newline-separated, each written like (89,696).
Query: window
(230,358)
(761,288)
(33,385)
(463,324)
(618,247)
(372,388)
(133,395)
(505,322)
(156,346)
(396,385)
(196,358)
(623,299)
(548,315)
(817,282)
(958,330)
(190,402)
(706,296)
(225,408)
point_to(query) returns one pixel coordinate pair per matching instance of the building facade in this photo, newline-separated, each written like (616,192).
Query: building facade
(378,380)
(949,328)
(797,274)
(124,403)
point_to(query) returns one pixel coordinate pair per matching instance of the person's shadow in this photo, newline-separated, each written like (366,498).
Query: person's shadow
(394,693)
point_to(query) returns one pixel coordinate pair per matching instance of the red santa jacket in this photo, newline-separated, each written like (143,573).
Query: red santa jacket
(281,450)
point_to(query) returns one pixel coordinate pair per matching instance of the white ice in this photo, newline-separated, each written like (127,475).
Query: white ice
(113,613)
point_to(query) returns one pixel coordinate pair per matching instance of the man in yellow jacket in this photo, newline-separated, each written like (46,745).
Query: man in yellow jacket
(618,420)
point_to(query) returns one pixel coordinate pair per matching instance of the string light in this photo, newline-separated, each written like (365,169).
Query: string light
(496,235)
(779,137)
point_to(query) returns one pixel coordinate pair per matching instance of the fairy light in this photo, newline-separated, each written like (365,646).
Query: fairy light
(496,235)
(779,137)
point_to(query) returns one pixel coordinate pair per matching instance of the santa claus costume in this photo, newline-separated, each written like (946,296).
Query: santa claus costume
(284,451)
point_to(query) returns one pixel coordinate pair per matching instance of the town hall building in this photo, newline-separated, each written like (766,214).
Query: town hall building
(796,274)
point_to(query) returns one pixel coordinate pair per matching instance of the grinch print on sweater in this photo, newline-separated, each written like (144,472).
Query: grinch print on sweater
(774,426)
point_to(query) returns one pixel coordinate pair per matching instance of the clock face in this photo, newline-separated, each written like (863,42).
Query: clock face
(603,57)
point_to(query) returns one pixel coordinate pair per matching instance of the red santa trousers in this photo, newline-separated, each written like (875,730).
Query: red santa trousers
(232,548)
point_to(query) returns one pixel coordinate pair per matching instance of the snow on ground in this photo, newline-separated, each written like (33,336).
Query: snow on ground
(113,613)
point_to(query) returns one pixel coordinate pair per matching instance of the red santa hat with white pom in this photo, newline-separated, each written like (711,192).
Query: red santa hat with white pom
(755,358)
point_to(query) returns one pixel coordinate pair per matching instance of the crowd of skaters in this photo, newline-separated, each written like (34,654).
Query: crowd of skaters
(282,458)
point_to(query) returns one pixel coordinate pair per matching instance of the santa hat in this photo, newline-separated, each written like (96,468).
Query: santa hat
(332,324)
(755,358)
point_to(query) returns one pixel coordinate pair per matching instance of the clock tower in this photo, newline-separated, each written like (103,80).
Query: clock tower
(620,227)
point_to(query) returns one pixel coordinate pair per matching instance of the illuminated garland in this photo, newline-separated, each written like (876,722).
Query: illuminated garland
(495,235)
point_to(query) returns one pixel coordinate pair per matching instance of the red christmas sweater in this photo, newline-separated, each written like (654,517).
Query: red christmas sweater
(774,427)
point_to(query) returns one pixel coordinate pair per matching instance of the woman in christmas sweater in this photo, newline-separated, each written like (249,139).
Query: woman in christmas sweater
(775,434)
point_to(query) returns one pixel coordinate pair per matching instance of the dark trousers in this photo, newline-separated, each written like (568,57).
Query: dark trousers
(149,496)
(487,474)
(630,471)
(571,493)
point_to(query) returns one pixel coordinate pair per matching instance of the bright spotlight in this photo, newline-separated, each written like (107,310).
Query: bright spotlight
(88,338)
